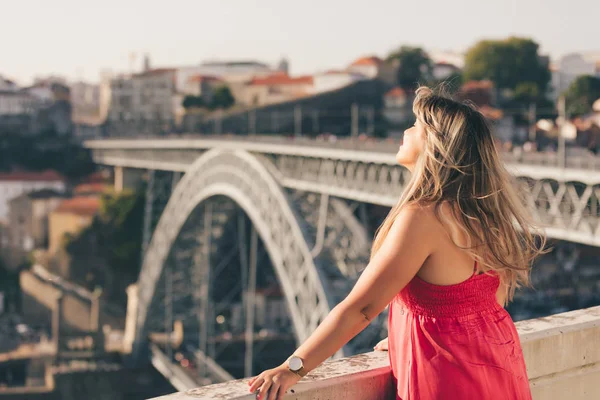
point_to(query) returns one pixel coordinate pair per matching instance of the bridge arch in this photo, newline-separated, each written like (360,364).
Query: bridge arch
(246,180)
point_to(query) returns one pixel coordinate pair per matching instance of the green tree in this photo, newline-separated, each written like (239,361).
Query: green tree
(510,64)
(414,66)
(581,94)
(108,250)
(193,102)
(222,98)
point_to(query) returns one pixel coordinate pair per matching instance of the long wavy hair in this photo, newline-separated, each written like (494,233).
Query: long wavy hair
(461,167)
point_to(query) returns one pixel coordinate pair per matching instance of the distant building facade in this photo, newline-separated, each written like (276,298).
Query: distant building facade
(71,217)
(571,66)
(276,88)
(374,67)
(28,218)
(15,184)
(147,96)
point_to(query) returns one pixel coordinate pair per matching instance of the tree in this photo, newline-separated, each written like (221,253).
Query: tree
(193,102)
(581,94)
(414,66)
(222,98)
(107,252)
(508,63)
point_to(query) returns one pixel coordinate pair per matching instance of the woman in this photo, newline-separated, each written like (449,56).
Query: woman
(446,260)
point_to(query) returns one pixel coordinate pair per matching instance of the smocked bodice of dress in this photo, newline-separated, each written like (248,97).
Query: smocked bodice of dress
(475,295)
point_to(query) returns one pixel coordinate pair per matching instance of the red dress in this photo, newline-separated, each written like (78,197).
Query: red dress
(455,342)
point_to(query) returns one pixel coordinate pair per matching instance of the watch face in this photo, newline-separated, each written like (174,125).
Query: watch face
(295,363)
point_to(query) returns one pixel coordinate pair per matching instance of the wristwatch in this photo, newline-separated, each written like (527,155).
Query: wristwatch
(296,365)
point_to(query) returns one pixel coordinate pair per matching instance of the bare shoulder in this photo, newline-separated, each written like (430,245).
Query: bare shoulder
(419,220)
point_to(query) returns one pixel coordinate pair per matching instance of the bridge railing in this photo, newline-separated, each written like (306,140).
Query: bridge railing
(562,353)
(576,157)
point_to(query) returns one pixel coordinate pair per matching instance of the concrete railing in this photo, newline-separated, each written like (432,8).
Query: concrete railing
(562,353)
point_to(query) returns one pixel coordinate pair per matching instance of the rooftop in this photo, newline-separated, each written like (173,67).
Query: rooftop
(282,79)
(372,60)
(45,194)
(155,71)
(95,188)
(28,176)
(203,78)
(396,92)
(241,63)
(81,205)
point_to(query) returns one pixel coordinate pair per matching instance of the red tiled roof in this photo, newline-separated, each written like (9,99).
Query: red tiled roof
(373,60)
(96,177)
(82,205)
(396,92)
(200,78)
(45,176)
(91,188)
(283,79)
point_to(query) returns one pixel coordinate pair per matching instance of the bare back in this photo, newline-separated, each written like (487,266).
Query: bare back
(448,264)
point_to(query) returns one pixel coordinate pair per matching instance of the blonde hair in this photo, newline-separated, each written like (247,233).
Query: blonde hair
(462,168)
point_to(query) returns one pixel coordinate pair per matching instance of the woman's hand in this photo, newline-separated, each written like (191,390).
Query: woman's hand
(382,346)
(274,382)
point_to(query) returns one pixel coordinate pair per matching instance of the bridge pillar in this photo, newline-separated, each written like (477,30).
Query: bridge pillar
(131,318)
(127,178)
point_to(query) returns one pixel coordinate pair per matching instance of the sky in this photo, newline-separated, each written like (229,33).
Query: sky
(79,38)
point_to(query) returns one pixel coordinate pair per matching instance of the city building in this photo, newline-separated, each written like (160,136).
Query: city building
(276,88)
(70,217)
(334,79)
(51,106)
(146,96)
(85,100)
(570,66)
(447,57)
(28,218)
(13,100)
(202,86)
(443,70)
(15,184)
(92,189)
(7,84)
(374,67)
(229,71)
(15,103)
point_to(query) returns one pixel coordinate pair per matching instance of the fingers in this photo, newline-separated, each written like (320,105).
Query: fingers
(264,389)
(256,382)
(281,393)
(273,391)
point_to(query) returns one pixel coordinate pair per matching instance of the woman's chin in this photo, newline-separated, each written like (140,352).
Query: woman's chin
(400,159)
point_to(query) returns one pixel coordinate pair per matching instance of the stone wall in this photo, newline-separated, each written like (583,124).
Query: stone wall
(39,297)
(562,353)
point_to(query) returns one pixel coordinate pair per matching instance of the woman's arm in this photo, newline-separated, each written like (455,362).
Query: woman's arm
(400,257)
(405,249)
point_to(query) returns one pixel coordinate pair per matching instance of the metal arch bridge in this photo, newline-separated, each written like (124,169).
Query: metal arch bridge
(227,220)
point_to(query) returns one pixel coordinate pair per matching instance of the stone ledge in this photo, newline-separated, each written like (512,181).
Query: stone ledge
(363,376)
(562,353)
